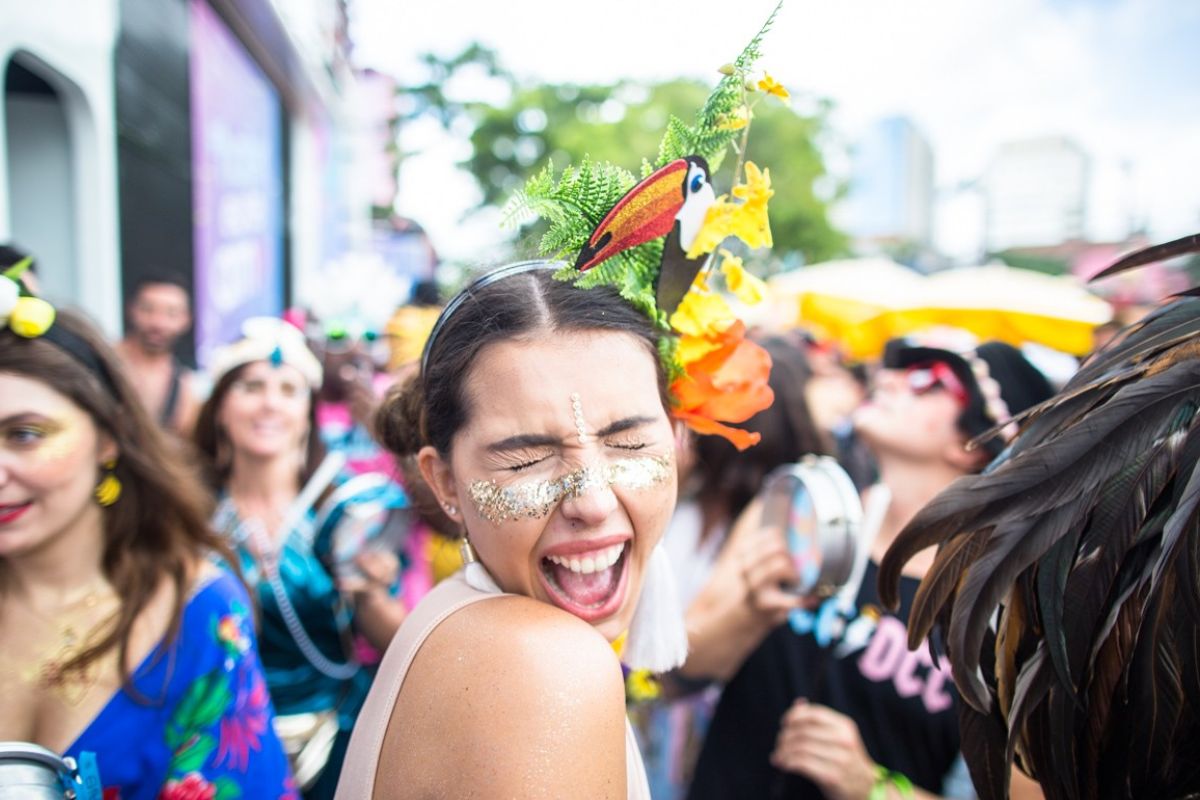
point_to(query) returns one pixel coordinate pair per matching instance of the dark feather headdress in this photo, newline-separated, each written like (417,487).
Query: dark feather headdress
(1067,581)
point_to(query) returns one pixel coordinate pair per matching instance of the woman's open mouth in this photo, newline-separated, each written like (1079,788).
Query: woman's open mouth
(590,585)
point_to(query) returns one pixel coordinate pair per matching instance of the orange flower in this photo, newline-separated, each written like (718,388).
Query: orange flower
(727,384)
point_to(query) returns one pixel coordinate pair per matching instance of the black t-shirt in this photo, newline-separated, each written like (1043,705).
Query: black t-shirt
(857,663)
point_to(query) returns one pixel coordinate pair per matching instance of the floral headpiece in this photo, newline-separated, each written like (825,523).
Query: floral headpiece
(654,239)
(32,317)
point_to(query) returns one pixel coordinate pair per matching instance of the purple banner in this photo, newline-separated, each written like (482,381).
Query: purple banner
(237,173)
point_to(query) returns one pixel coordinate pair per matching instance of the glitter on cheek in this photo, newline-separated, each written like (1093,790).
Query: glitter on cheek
(536,499)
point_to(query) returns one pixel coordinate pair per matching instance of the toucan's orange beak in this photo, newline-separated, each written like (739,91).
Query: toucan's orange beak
(647,211)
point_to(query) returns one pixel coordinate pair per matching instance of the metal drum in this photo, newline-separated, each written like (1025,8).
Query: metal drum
(30,772)
(817,507)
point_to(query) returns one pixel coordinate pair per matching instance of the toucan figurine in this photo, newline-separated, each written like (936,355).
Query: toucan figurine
(670,202)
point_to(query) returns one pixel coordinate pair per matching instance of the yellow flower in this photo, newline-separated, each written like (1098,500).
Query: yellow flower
(745,286)
(772,86)
(746,220)
(753,226)
(31,317)
(737,119)
(641,686)
(702,314)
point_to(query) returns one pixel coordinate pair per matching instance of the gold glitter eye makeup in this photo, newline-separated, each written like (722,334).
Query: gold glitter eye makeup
(534,499)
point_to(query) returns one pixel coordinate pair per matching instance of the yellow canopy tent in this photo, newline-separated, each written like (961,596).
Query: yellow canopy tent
(847,301)
(864,302)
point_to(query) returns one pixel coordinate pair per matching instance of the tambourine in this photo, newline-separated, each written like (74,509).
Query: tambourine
(817,507)
(30,772)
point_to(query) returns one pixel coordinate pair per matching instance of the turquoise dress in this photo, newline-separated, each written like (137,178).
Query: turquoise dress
(201,723)
(312,671)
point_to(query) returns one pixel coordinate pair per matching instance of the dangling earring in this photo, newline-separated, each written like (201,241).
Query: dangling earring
(467,552)
(475,574)
(109,489)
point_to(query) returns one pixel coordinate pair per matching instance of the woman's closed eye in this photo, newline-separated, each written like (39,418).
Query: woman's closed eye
(521,460)
(627,445)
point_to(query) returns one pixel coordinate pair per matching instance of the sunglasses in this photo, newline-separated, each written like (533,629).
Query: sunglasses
(934,375)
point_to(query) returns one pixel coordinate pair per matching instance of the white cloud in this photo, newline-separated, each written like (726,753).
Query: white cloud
(1121,77)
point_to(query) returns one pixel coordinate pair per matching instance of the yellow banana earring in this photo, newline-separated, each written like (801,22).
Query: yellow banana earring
(109,488)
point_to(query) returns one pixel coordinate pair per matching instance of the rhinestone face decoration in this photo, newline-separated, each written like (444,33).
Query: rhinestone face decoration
(535,499)
(580,425)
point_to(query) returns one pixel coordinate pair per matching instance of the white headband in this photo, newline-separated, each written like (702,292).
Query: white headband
(268,339)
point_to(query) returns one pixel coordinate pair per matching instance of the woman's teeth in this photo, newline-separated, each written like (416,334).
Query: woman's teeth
(593,562)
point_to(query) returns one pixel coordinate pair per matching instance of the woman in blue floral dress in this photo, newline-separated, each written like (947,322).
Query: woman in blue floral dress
(118,636)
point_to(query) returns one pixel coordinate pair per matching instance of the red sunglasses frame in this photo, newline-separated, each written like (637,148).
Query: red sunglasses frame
(943,376)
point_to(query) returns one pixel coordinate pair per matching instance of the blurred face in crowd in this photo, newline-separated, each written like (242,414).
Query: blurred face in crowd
(158,316)
(347,363)
(564,472)
(913,414)
(265,412)
(50,457)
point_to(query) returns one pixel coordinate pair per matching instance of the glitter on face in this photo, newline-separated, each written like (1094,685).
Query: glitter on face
(61,439)
(535,499)
(580,425)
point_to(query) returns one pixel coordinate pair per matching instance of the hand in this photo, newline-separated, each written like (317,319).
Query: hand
(377,572)
(766,566)
(377,615)
(825,747)
(742,600)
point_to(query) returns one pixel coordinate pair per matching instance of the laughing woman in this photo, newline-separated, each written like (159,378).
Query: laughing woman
(117,635)
(539,420)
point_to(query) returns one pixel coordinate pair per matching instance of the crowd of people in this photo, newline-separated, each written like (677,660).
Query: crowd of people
(512,546)
(237,590)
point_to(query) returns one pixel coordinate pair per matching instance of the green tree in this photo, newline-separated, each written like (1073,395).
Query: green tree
(623,124)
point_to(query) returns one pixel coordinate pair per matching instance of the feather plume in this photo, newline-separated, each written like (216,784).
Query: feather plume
(1085,536)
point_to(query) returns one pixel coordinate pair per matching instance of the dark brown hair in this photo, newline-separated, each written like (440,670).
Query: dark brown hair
(727,480)
(213,443)
(159,528)
(431,407)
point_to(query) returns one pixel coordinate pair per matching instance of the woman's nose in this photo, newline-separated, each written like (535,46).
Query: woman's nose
(890,379)
(592,502)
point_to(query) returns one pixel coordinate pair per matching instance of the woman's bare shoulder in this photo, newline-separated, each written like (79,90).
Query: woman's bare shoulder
(521,634)
(525,693)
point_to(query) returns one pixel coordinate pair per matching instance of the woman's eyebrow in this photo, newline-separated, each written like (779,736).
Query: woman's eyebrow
(523,441)
(23,416)
(622,425)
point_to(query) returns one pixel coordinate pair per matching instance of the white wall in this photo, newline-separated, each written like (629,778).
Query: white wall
(69,44)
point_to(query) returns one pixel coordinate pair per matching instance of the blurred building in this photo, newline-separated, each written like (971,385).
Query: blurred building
(211,138)
(890,199)
(1036,194)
